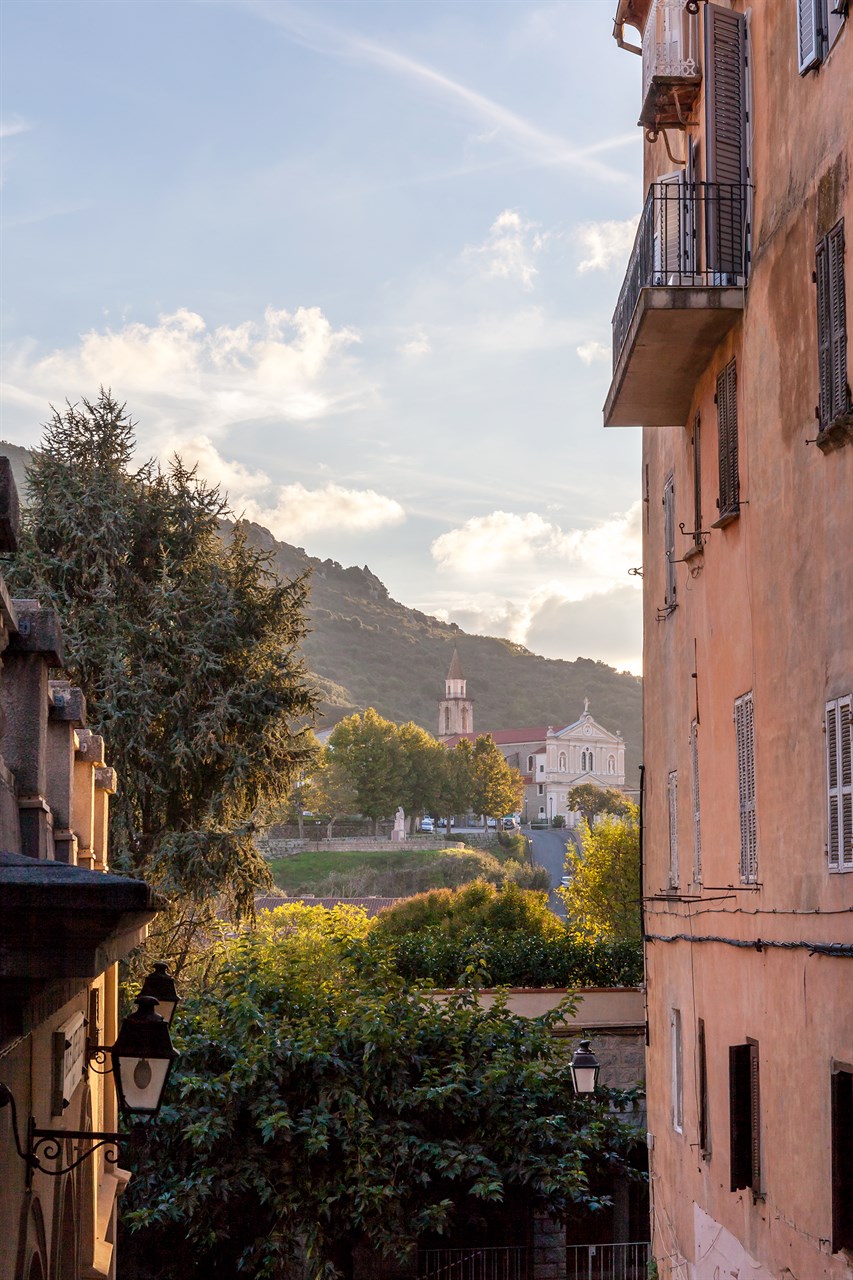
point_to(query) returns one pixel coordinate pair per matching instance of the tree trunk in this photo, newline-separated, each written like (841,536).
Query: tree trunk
(300,820)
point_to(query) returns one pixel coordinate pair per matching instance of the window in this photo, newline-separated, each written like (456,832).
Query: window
(541,811)
(697,482)
(831,327)
(818,25)
(447,719)
(672,796)
(726,401)
(839,783)
(744,1117)
(694,778)
(677,1070)
(541,768)
(704,1110)
(745,736)
(842,1159)
(669,600)
(530,764)
(540,788)
(726,135)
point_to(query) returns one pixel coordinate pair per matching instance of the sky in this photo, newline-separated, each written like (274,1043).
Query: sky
(358,262)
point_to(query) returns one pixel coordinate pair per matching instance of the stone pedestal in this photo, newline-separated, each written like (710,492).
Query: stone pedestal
(549,1249)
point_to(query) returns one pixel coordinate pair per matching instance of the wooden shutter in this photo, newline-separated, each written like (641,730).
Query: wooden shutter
(754,1119)
(824,346)
(745,737)
(697,480)
(839,782)
(725,135)
(740,1117)
(669,598)
(727,440)
(672,795)
(697,829)
(839,400)
(704,1109)
(842,1160)
(809,37)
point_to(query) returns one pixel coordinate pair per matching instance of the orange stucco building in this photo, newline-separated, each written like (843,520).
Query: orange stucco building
(731,352)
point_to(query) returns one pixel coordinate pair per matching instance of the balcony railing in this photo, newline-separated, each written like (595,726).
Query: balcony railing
(671,66)
(692,235)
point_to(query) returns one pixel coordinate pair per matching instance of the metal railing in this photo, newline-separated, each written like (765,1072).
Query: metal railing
(607,1261)
(507,1263)
(671,41)
(691,235)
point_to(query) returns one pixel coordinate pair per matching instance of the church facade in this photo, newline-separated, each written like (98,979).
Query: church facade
(551,759)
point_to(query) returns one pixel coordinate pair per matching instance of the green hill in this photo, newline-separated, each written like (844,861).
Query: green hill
(365,649)
(369,650)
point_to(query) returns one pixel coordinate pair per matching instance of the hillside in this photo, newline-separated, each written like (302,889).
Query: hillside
(369,650)
(366,649)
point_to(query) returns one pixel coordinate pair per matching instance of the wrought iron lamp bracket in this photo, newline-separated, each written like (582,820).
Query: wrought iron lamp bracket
(52,1140)
(98,1053)
(694,533)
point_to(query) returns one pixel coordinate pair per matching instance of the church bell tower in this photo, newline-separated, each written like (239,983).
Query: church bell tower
(456,709)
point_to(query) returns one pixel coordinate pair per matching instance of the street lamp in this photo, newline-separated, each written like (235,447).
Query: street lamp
(585,1069)
(161,985)
(142,1058)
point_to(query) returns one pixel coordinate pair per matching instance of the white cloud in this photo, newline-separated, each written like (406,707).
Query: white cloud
(510,247)
(595,558)
(292,366)
(491,542)
(606,244)
(418,345)
(592,351)
(12,126)
(298,511)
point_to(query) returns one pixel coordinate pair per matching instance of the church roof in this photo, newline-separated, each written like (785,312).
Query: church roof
(503,737)
(455,672)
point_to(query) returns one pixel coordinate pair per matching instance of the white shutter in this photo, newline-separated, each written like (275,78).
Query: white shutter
(672,793)
(745,735)
(697,830)
(809,35)
(839,783)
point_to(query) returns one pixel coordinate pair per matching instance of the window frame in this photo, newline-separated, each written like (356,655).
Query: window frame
(744,719)
(676,1042)
(831,308)
(672,809)
(697,815)
(670,593)
(745,1118)
(725,398)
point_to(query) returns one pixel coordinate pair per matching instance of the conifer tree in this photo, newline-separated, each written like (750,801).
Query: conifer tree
(183,641)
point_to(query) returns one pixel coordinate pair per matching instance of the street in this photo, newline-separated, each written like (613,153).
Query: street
(549,851)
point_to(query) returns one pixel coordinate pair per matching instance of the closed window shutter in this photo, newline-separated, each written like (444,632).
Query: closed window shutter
(754,1119)
(672,792)
(697,829)
(727,434)
(725,132)
(809,39)
(837,322)
(740,1117)
(824,346)
(745,736)
(839,779)
(669,542)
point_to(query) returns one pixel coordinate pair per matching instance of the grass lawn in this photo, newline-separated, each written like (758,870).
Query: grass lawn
(303,872)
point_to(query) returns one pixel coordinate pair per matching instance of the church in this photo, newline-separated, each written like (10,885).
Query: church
(551,759)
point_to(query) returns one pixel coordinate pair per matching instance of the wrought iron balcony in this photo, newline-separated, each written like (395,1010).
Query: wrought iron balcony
(683,290)
(671,68)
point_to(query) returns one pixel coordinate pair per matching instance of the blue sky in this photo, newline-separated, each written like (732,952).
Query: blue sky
(358,260)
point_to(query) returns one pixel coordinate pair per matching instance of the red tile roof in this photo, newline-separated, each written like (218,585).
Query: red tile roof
(503,737)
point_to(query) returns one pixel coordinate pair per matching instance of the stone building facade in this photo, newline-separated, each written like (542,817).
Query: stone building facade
(65,921)
(730,350)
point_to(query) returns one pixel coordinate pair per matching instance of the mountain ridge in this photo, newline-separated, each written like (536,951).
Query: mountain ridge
(364,648)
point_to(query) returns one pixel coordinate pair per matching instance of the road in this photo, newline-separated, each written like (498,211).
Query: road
(549,850)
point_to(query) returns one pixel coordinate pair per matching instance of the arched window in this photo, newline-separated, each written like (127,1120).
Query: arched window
(464,719)
(447,719)
(562,764)
(611,764)
(530,763)
(586,762)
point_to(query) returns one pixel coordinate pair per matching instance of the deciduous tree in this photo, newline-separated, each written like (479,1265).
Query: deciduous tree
(603,897)
(498,788)
(590,801)
(369,751)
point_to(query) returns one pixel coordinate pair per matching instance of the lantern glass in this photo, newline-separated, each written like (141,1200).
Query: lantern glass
(585,1069)
(142,1059)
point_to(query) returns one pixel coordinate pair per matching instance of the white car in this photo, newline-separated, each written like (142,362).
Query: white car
(427,823)
(566,881)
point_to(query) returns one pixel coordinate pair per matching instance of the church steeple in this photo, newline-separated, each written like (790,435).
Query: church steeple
(456,709)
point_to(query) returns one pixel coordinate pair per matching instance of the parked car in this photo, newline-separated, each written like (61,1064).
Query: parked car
(427,823)
(566,881)
(493,822)
(509,824)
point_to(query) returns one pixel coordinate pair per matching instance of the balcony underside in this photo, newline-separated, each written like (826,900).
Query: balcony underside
(670,101)
(672,334)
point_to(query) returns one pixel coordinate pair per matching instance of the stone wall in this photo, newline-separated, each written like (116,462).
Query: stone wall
(275,848)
